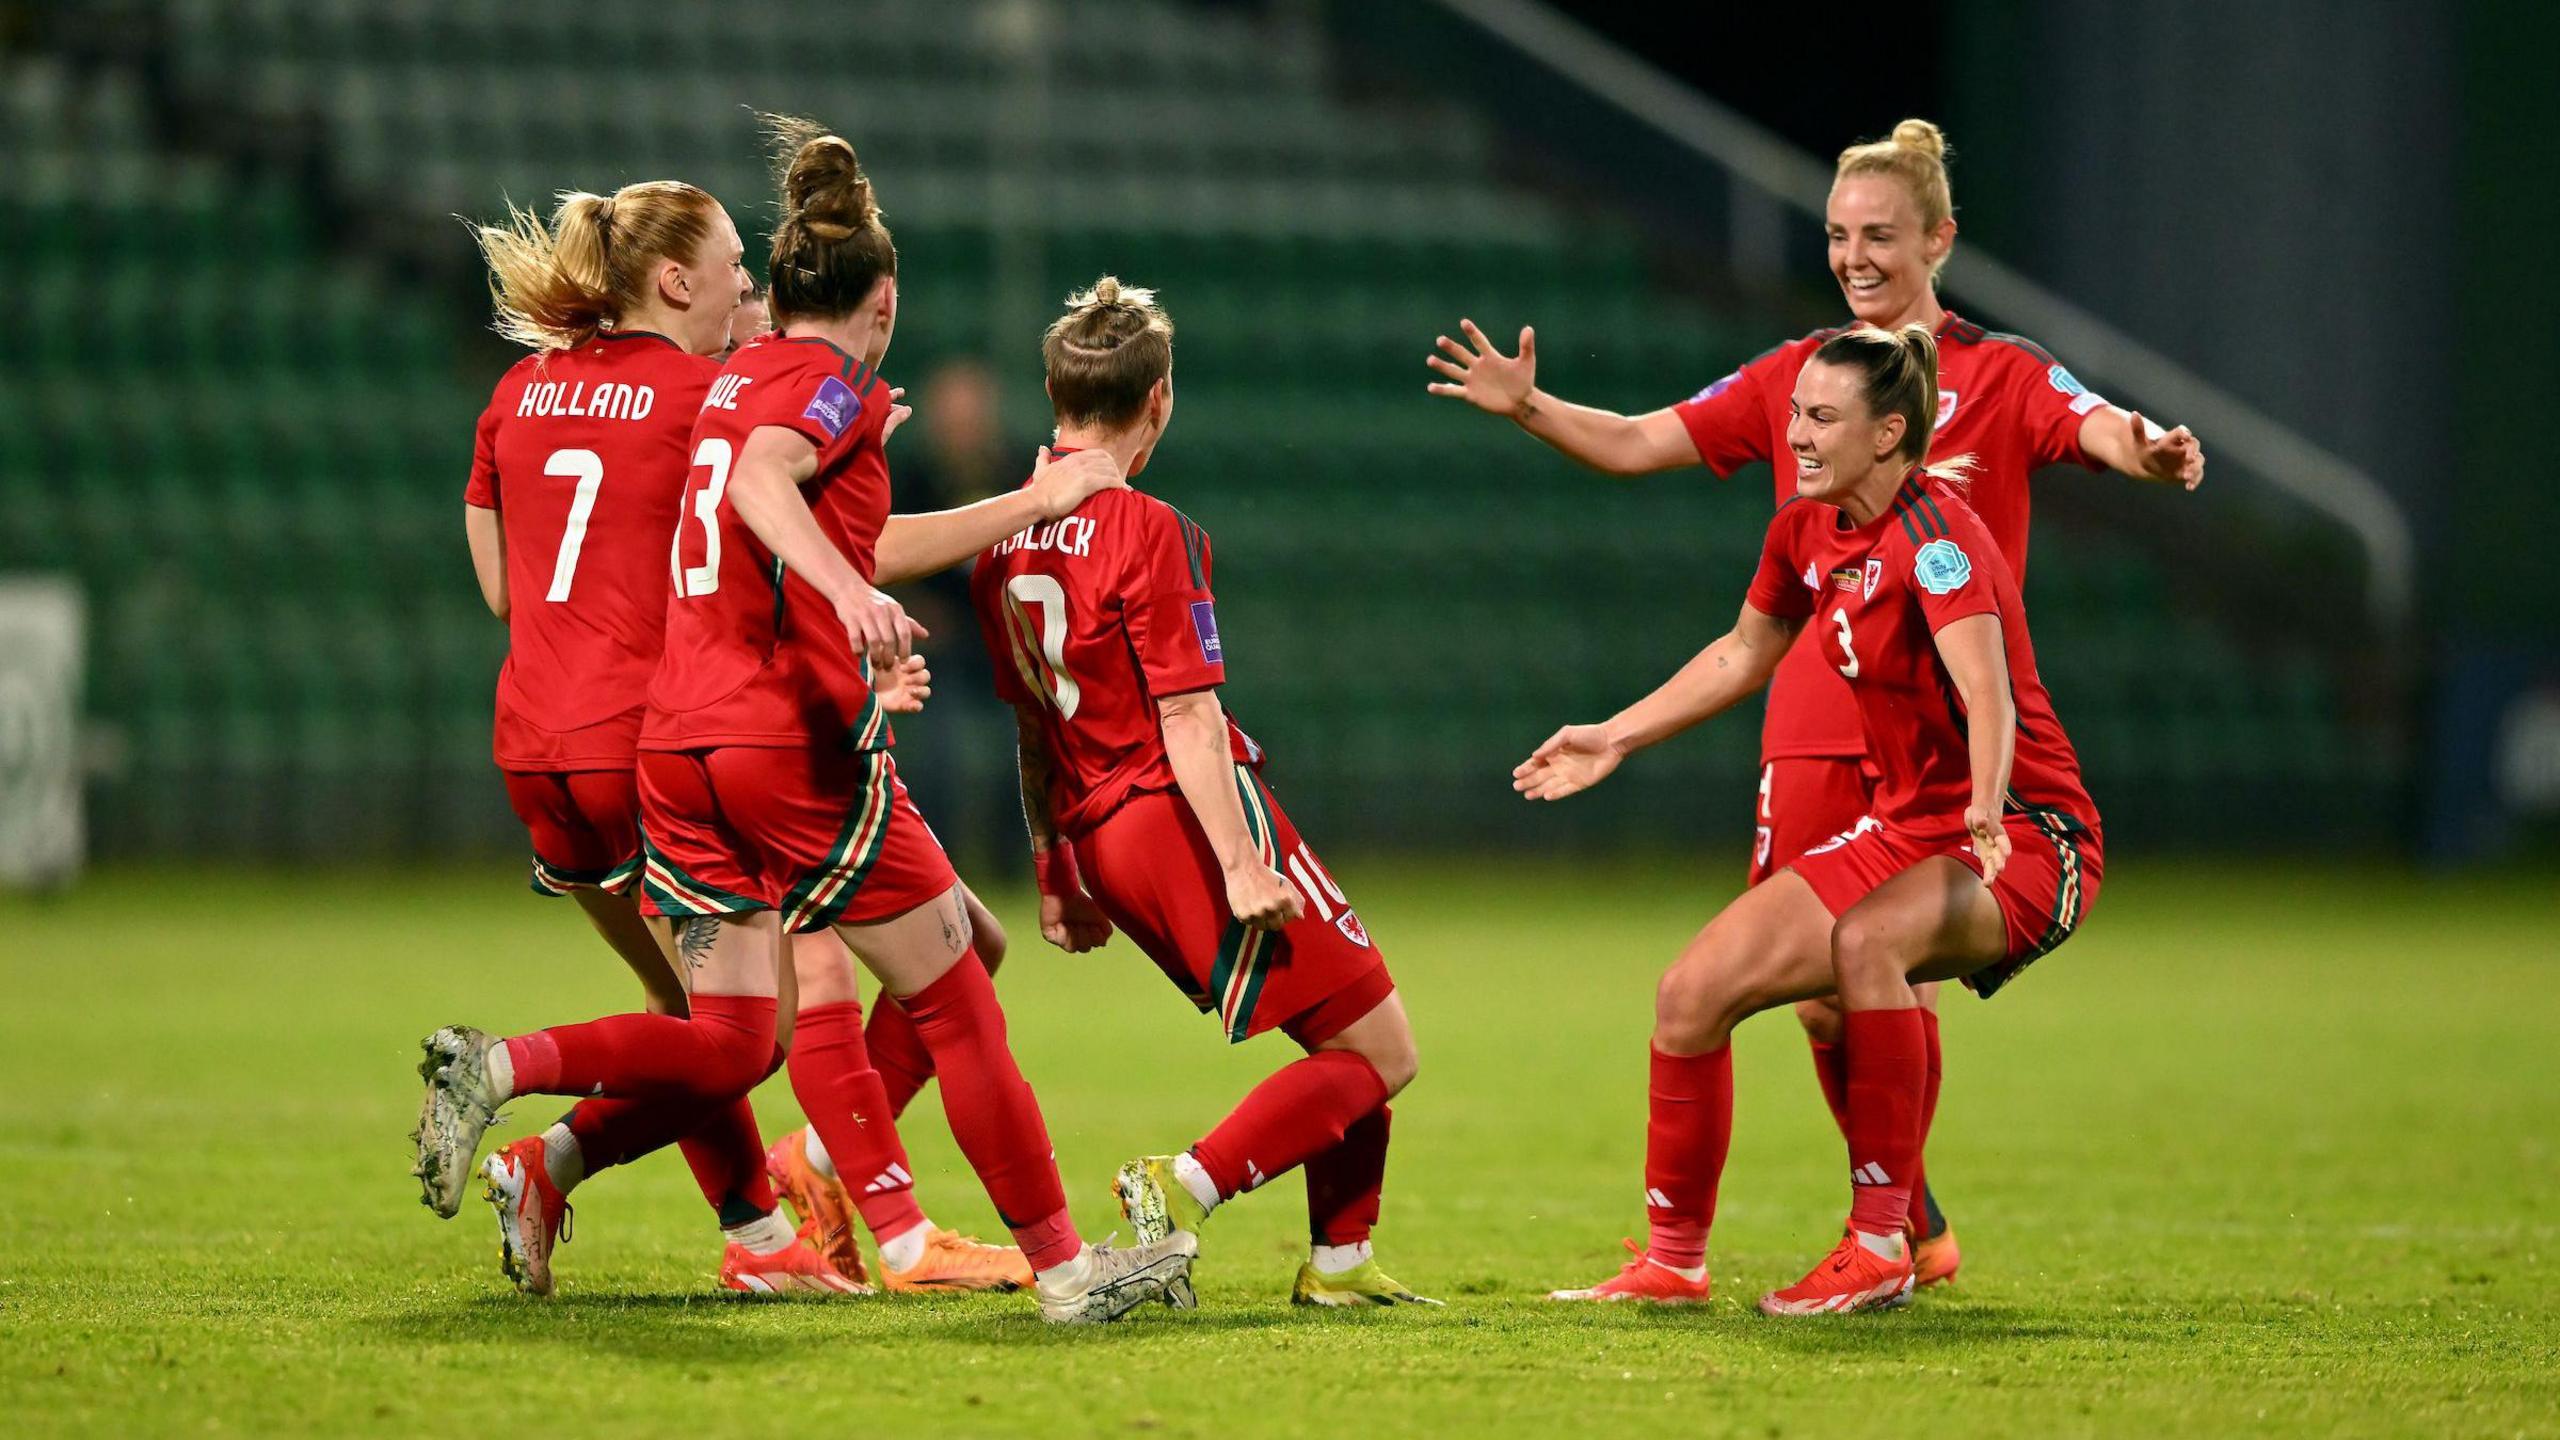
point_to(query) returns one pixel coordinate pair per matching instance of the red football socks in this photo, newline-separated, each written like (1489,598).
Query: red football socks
(1831,1069)
(720,1144)
(898,1053)
(1344,1183)
(716,1055)
(1888,1084)
(1302,1109)
(993,1113)
(1928,1117)
(1687,1133)
(846,1104)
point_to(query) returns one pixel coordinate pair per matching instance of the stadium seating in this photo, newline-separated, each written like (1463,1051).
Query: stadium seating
(278,422)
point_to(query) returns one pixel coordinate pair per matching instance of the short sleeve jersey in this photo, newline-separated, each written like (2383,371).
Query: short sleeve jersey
(581,453)
(2001,399)
(1874,597)
(1091,620)
(755,655)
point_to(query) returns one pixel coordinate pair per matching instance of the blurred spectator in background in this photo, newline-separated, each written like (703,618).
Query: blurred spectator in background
(957,450)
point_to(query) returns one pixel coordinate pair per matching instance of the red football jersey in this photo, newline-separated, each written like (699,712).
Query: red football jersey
(581,453)
(2001,399)
(755,655)
(1874,597)
(1092,618)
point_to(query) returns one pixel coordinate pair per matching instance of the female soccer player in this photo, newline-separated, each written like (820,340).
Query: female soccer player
(1981,852)
(577,467)
(770,801)
(1105,639)
(2001,398)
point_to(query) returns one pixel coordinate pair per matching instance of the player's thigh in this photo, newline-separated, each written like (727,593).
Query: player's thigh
(1770,946)
(986,933)
(734,955)
(911,950)
(1933,921)
(1384,1038)
(645,947)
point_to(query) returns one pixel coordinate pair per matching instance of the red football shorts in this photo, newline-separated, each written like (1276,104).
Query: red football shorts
(585,826)
(1150,868)
(1804,801)
(825,836)
(2045,890)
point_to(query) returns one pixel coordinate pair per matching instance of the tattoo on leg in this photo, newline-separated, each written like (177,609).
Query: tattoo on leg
(955,925)
(693,939)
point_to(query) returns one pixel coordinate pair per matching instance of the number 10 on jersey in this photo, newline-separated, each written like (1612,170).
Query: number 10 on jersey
(1039,643)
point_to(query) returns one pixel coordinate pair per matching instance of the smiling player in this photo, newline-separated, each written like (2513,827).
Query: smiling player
(1980,853)
(1890,224)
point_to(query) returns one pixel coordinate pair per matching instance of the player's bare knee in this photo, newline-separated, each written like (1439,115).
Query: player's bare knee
(1821,1018)
(1866,955)
(1694,1007)
(1392,1056)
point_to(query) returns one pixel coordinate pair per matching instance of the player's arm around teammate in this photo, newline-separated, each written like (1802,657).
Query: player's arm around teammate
(1923,889)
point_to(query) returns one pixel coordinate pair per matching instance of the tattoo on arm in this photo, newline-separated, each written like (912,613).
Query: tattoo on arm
(694,935)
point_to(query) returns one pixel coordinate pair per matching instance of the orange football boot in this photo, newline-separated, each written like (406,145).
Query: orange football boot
(953,1261)
(1934,1260)
(1852,1278)
(820,1203)
(796,1266)
(533,1216)
(1646,1279)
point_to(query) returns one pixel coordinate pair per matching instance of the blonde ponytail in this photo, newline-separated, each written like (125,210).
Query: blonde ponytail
(556,286)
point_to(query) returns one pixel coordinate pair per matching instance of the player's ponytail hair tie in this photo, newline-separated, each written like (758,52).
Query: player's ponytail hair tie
(1105,355)
(556,285)
(831,248)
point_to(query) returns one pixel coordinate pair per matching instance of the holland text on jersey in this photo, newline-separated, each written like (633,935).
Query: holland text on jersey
(608,400)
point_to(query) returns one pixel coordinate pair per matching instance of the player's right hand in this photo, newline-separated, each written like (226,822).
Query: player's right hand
(1573,760)
(879,627)
(1061,483)
(1262,897)
(1072,922)
(1483,376)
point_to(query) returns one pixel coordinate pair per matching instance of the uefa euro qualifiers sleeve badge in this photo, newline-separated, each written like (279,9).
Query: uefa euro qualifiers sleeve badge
(1941,568)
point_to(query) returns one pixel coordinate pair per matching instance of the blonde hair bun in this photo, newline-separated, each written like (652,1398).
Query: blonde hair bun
(1922,136)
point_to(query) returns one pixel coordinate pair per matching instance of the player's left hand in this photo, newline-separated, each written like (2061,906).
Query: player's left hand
(897,413)
(1990,840)
(1072,922)
(1060,483)
(2167,455)
(904,689)
(1573,760)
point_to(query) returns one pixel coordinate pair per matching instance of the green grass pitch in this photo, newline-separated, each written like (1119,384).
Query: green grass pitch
(2266,1150)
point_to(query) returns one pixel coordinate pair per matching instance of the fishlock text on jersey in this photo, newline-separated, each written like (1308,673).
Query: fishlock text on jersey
(1070,536)
(609,400)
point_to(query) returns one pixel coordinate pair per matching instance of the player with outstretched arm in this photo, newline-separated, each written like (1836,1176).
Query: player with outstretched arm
(2001,398)
(1980,852)
(770,803)
(1148,812)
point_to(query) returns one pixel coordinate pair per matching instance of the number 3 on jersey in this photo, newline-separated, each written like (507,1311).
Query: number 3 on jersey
(1848,652)
(1040,646)
(696,580)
